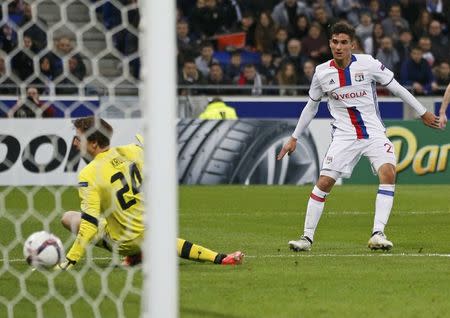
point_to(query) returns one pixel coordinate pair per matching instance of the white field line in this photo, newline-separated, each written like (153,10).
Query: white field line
(399,213)
(305,255)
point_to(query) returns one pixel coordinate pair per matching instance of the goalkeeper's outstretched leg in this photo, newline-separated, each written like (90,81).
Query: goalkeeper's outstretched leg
(185,249)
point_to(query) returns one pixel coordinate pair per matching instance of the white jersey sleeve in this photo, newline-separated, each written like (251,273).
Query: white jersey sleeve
(315,90)
(379,72)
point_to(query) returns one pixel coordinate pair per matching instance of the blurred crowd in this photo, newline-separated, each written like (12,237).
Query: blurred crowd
(249,44)
(247,47)
(27,59)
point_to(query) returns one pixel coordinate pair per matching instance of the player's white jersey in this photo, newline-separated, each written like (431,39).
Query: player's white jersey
(352,98)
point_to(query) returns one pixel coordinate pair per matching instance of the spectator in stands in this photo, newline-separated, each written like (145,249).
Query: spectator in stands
(388,55)
(443,74)
(358,47)
(8,38)
(36,31)
(404,44)
(306,78)
(348,10)
(376,12)
(217,77)
(328,5)
(64,48)
(280,45)
(365,27)
(190,76)
(264,32)
(284,14)
(439,42)
(207,19)
(46,68)
(46,76)
(287,76)
(7,86)
(315,44)
(436,7)
(74,68)
(416,72)
(69,85)
(185,42)
(394,23)
(324,20)
(301,27)
(31,107)
(250,77)
(22,62)
(205,59)
(295,54)
(425,45)
(411,10)
(266,67)
(372,43)
(234,68)
(422,24)
(247,25)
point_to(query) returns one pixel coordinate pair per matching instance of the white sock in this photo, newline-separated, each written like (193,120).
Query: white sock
(314,211)
(383,206)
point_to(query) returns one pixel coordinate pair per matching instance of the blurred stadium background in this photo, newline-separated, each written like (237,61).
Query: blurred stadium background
(71,58)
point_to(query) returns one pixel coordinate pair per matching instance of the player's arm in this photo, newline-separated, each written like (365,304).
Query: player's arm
(90,207)
(443,109)
(385,77)
(428,118)
(312,106)
(306,116)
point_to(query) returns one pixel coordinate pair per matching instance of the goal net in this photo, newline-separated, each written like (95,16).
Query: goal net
(62,59)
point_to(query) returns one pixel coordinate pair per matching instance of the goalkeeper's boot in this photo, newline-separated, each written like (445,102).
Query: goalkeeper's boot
(132,260)
(303,244)
(379,241)
(235,258)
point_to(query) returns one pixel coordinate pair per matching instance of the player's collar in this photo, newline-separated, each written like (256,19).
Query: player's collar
(333,63)
(102,154)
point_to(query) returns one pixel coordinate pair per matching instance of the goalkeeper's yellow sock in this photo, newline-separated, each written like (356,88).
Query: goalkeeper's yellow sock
(196,252)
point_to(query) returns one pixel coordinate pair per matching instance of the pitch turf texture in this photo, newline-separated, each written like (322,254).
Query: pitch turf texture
(340,277)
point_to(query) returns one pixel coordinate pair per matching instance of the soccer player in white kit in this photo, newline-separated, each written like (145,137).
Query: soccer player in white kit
(357,130)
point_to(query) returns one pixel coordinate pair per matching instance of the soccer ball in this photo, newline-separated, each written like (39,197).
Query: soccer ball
(43,250)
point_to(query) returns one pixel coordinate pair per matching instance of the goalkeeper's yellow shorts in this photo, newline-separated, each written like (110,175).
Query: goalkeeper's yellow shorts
(103,239)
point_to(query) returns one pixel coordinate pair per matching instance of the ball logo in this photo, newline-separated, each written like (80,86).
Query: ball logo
(341,96)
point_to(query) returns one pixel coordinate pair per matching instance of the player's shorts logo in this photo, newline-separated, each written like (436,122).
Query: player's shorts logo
(328,160)
(359,77)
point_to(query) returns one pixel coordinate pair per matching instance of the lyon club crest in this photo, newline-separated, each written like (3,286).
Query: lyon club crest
(359,77)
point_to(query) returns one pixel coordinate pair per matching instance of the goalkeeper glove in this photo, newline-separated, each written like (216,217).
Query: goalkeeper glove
(64,266)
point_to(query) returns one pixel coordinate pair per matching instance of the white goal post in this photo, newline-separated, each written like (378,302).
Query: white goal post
(158,99)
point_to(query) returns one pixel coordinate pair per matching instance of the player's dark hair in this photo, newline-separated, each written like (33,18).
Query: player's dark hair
(343,27)
(95,129)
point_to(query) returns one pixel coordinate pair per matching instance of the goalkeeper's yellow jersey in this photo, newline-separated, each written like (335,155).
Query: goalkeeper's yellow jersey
(110,189)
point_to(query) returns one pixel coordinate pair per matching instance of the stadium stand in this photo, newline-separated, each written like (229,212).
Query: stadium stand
(106,48)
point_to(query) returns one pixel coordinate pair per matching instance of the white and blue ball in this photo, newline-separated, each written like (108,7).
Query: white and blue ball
(43,250)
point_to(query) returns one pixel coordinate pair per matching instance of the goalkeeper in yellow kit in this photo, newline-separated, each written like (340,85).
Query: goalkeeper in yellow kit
(112,204)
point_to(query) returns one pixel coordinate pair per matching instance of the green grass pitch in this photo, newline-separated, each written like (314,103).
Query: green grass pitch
(340,277)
